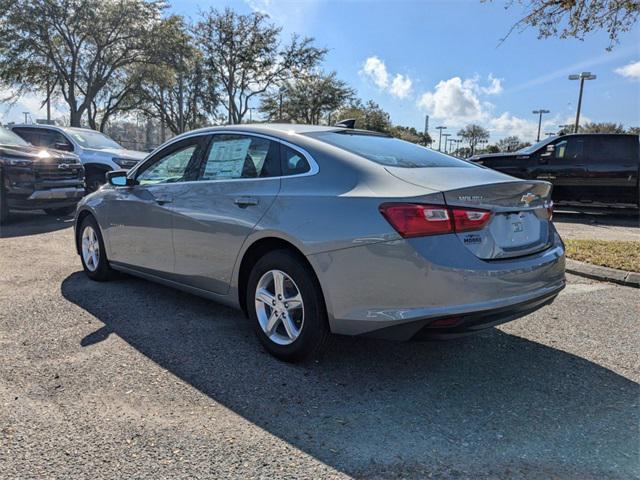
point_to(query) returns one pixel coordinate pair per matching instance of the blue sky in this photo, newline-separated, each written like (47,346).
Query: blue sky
(442,58)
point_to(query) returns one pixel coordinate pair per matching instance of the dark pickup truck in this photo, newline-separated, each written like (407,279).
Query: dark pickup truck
(583,168)
(33,178)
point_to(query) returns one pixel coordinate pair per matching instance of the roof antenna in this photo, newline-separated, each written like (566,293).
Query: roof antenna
(348,123)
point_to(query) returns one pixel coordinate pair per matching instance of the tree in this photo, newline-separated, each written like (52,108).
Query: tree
(634,130)
(604,127)
(368,116)
(175,88)
(410,134)
(74,48)
(511,144)
(473,134)
(577,18)
(306,99)
(244,54)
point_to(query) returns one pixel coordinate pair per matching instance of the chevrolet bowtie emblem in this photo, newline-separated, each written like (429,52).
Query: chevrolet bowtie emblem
(527,198)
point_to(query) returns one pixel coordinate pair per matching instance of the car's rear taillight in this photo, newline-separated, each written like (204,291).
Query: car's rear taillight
(466,220)
(417,220)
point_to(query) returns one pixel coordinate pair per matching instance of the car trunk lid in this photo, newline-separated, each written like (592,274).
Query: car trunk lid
(520,219)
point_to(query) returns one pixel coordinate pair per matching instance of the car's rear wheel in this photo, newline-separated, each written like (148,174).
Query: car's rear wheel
(286,307)
(92,251)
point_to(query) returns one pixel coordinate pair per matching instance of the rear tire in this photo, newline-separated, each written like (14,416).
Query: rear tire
(60,212)
(92,252)
(294,330)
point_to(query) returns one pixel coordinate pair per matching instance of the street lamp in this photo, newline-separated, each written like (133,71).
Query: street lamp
(539,112)
(445,135)
(440,139)
(582,77)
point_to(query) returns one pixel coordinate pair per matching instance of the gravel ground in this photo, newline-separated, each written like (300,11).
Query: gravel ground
(129,379)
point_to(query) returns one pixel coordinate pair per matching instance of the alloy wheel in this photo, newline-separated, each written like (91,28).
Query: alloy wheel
(279,307)
(90,248)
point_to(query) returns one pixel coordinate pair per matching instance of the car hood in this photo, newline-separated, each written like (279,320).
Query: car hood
(118,153)
(38,154)
(448,178)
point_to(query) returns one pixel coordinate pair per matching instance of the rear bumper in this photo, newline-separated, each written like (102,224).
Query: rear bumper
(395,289)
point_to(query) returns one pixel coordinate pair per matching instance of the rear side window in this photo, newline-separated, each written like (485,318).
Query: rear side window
(388,151)
(612,149)
(293,162)
(240,156)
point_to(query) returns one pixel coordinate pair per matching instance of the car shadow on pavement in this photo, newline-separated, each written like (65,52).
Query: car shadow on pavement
(23,224)
(493,402)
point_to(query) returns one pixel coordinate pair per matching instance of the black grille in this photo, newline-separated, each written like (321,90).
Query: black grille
(59,169)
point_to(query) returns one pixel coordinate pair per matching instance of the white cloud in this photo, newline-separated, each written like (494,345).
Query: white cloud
(401,86)
(375,70)
(631,70)
(495,86)
(12,111)
(454,101)
(507,124)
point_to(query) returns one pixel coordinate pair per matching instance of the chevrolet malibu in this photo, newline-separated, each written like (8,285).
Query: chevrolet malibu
(318,230)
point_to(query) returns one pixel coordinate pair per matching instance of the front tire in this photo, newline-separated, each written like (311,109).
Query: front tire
(286,307)
(92,252)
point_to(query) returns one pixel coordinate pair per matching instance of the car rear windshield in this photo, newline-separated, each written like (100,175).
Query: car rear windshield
(388,151)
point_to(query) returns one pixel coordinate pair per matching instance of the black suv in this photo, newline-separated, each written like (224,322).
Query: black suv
(583,168)
(33,178)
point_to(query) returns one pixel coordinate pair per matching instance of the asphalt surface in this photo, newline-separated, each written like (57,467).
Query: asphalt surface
(129,379)
(598,225)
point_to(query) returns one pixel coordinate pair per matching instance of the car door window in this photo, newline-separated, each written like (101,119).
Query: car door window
(570,150)
(171,165)
(54,139)
(236,156)
(293,162)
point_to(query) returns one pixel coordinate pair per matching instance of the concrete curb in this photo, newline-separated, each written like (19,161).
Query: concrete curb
(606,274)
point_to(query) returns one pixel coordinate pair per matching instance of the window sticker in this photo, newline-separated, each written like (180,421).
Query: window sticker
(227,158)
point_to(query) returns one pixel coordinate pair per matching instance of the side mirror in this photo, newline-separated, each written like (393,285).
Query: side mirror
(65,147)
(118,178)
(550,152)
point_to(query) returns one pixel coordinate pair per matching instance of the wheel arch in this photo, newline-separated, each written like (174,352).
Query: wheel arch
(257,250)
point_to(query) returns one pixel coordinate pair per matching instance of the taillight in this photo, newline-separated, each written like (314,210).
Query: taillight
(466,220)
(417,220)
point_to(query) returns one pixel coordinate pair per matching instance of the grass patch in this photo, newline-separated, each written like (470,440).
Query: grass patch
(608,253)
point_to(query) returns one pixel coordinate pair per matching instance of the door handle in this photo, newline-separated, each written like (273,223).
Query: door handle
(244,202)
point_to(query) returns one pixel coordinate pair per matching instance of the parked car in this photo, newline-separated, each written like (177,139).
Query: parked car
(317,230)
(584,168)
(99,153)
(33,178)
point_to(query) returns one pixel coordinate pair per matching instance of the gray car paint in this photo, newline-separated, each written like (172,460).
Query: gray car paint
(371,277)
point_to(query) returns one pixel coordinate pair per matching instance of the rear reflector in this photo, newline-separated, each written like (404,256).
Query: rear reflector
(417,220)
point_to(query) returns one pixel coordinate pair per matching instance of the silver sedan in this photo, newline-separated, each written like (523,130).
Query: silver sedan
(316,230)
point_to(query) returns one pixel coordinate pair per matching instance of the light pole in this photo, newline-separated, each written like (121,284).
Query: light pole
(540,113)
(440,139)
(445,135)
(582,77)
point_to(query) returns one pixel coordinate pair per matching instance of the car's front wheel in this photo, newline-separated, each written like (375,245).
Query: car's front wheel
(92,251)
(286,307)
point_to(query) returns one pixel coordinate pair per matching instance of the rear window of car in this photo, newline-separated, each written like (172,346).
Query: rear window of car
(388,151)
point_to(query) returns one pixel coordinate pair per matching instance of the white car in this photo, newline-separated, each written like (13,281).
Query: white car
(98,153)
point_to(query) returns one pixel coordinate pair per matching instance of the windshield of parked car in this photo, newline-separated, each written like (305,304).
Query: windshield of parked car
(90,139)
(7,137)
(532,148)
(388,151)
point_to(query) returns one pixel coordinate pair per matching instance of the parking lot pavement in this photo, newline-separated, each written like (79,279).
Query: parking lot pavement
(596,225)
(131,379)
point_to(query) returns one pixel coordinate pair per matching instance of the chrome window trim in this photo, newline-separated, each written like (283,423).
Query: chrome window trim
(313,170)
